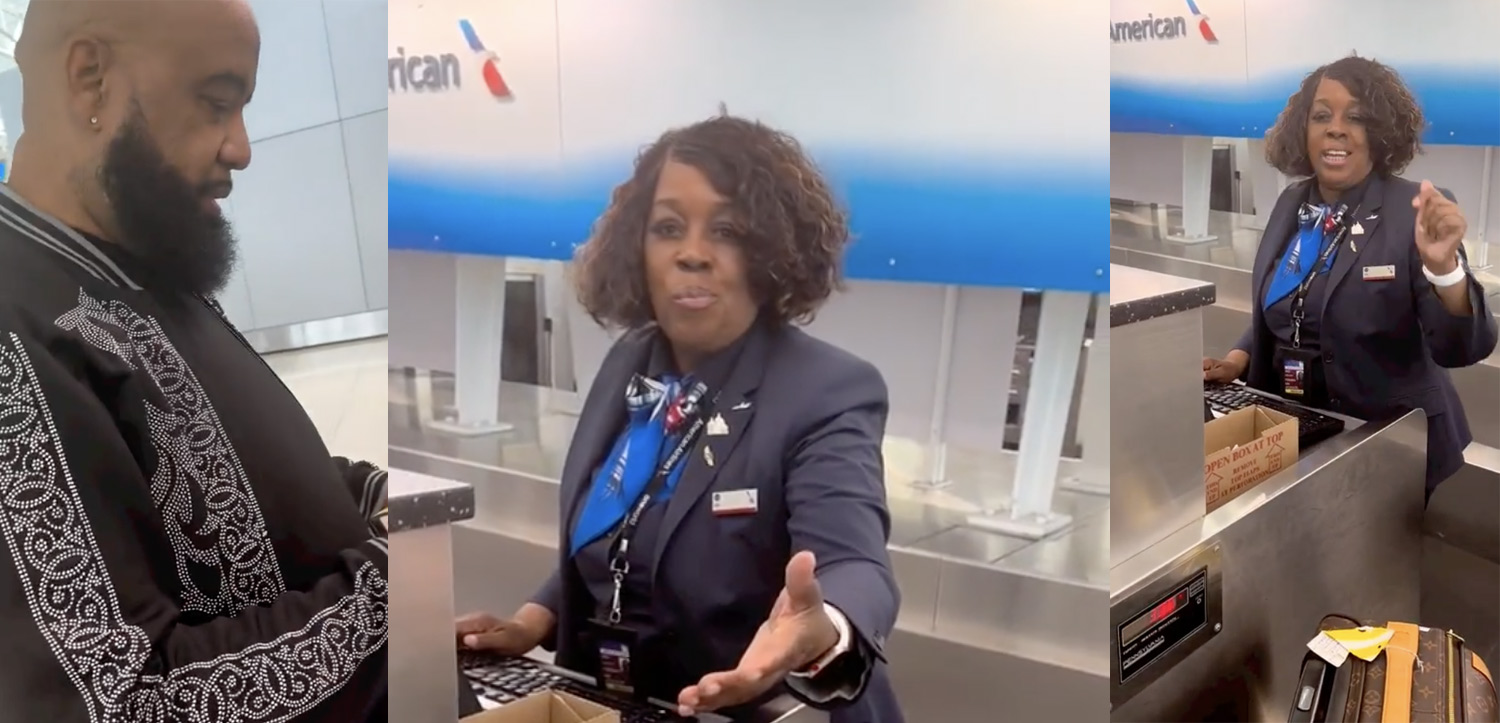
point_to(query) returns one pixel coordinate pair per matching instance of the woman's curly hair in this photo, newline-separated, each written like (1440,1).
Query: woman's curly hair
(1392,119)
(793,237)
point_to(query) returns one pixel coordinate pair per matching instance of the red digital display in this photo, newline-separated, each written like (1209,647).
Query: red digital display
(1163,610)
(1158,629)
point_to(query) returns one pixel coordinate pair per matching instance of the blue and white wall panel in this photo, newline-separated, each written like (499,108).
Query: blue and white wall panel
(1167,84)
(960,159)
(1236,86)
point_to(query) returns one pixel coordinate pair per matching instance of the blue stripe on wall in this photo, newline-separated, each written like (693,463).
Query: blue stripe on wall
(1017,227)
(1462,107)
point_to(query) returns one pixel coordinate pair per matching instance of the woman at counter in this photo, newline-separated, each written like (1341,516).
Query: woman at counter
(1364,293)
(724,492)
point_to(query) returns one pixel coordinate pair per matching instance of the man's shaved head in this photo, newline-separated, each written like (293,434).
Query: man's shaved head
(134,122)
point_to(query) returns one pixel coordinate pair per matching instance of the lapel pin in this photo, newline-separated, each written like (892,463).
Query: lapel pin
(717,427)
(740,407)
(708,455)
(1358,230)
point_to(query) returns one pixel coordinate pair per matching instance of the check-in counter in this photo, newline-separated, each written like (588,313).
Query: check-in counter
(1461,541)
(986,620)
(423,658)
(424,663)
(1210,612)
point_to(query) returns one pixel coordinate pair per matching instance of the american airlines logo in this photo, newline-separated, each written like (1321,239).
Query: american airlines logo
(1167,27)
(432,73)
(490,70)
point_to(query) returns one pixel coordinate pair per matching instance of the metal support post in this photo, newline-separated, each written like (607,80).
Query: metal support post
(1093,410)
(479,306)
(1197,174)
(937,443)
(1054,371)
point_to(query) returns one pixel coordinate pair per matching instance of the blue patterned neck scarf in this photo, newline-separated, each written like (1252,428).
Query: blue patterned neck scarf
(1313,235)
(656,409)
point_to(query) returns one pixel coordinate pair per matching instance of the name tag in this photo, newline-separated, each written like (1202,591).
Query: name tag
(736,502)
(1379,273)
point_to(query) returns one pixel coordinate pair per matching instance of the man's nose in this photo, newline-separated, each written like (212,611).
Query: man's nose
(235,152)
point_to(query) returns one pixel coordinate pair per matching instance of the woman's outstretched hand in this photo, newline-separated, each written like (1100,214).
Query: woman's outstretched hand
(796,634)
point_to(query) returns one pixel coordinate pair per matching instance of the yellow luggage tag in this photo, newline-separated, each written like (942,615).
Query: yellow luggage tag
(1365,643)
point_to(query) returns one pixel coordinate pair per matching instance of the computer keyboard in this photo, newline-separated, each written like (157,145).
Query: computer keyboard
(1312,427)
(504,679)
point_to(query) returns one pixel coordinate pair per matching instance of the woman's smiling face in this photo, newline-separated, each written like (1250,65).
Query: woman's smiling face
(1337,144)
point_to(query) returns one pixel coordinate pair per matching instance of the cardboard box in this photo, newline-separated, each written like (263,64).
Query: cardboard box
(1242,449)
(548,706)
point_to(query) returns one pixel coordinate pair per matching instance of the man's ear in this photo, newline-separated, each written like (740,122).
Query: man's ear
(88,62)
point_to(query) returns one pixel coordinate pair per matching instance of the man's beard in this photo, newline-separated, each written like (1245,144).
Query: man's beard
(161,217)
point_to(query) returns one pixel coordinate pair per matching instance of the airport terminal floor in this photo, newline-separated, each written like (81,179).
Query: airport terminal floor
(342,387)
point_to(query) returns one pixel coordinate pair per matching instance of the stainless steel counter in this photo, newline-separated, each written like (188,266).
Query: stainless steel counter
(1023,615)
(1156,417)
(1339,531)
(1249,581)
(424,662)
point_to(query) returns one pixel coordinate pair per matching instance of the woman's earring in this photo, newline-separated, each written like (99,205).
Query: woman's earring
(93,121)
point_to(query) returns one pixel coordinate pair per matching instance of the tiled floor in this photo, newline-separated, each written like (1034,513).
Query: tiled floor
(344,389)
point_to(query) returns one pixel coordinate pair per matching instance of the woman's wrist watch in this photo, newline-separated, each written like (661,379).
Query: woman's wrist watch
(1443,281)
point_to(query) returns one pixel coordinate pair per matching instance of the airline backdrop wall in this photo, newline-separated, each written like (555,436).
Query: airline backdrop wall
(1226,67)
(963,155)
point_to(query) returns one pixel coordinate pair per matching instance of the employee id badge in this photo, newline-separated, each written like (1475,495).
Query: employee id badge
(1293,377)
(1299,372)
(616,646)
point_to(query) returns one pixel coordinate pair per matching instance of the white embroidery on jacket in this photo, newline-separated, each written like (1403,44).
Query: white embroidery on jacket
(62,573)
(199,487)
